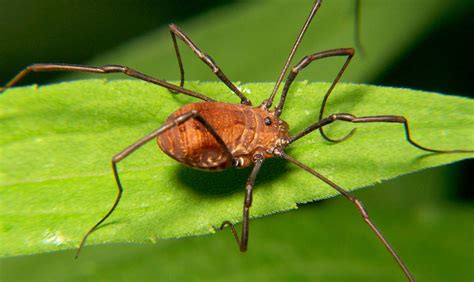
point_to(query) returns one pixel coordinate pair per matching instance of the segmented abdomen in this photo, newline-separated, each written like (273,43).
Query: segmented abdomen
(192,144)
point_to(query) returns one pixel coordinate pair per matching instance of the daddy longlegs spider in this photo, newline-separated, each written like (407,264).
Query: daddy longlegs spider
(213,135)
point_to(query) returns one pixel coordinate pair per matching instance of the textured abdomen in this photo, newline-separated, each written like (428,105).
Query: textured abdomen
(192,144)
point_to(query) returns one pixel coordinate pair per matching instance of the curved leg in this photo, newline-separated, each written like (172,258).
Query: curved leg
(132,148)
(243,241)
(103,69)
(350,118)
(363,212)
(349,52)
(176,31)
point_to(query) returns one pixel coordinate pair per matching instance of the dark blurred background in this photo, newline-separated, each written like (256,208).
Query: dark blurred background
(438,59)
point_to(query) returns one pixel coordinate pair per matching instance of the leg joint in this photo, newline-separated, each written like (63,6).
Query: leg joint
(172,27)
(115,68)
(402,119)
(342,116)
(361,208)
(33,67)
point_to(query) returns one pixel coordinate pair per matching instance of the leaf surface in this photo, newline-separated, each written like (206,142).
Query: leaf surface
(57,142)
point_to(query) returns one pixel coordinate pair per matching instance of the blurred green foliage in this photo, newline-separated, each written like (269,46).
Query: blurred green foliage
(422,214)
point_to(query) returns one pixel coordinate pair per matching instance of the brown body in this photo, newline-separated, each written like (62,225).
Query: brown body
(245,130)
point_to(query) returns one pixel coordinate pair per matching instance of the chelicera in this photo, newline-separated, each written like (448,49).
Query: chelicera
(211,135)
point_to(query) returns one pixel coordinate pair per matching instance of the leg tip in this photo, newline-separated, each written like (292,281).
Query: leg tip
(76,256)
(224,224)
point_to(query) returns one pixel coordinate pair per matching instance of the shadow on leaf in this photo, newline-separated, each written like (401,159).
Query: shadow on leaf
(230,181)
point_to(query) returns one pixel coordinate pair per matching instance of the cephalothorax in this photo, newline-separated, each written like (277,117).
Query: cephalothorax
(214,135)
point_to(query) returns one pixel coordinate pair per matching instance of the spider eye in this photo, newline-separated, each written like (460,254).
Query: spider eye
(268,121)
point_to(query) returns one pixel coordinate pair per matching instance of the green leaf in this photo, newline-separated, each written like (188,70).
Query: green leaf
(58,140)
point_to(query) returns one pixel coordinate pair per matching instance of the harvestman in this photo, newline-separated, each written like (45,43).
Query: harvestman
(214,135)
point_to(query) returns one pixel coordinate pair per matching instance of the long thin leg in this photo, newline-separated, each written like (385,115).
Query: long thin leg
(349,52)
(360,208)
(132,148)
(103,69)
(350,118)
(176,31)
(243,242)
(268,102)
